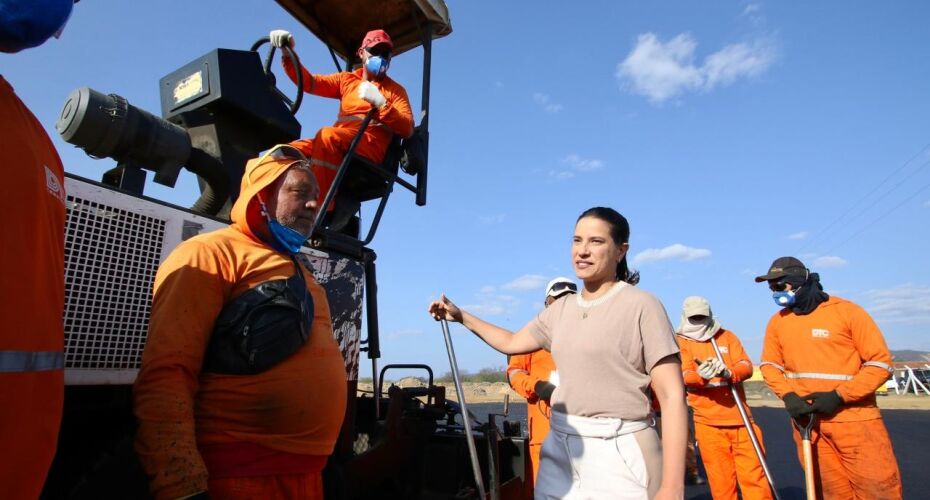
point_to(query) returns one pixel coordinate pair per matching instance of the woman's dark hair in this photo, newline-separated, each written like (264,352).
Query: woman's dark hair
(619,232)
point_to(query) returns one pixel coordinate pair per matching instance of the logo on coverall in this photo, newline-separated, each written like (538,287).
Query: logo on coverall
(820,333)
(54,185)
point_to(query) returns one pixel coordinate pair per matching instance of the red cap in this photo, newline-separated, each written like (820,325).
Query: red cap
(376,37)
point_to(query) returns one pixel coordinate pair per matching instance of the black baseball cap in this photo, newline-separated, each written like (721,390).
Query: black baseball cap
(783,266)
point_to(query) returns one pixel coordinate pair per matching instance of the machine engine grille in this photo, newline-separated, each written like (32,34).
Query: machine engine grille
(111,256)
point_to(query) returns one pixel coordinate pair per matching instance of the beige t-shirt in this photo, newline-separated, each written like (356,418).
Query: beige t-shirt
(604,350)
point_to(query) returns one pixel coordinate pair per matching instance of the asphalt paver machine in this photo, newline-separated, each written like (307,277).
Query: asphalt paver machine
(218,111)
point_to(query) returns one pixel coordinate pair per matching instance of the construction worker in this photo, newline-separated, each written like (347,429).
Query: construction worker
(531,376)
(358,91)
(241,393)
(727,451)
(825,356)
(32,199)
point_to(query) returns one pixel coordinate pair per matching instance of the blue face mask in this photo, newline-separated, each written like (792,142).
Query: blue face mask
(29,24)
(784,299)
(377,66)
(287,239)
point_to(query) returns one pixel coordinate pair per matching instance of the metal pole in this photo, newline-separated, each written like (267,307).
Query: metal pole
(808,453)
(469,437)
(748,424)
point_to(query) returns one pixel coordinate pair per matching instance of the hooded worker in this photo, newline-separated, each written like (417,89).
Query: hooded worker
(32,200)
(825,355)
(728,454)
(533,376)
(358,92)
(241,392)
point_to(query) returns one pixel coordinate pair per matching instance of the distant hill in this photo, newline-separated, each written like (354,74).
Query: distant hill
(909,355)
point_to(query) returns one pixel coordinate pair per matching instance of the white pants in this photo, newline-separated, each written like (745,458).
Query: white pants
(599,458)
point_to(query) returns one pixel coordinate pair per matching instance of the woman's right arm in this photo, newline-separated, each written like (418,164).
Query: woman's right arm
(503,340)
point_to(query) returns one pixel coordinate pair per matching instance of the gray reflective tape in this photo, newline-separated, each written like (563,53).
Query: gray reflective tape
(31,361)
(512,371)
(879,364)
(324,164)
(769,363)
(714,384)
(821,376)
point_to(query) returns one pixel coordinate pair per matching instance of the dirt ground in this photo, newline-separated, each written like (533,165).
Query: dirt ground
(756,394)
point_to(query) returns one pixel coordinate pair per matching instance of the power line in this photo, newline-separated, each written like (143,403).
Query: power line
(823,231)
(880,217)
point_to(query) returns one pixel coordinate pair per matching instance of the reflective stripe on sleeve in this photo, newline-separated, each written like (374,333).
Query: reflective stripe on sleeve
(821,376)
(511,372)
(324,164)
(879,364)
(769,363)
(31,361)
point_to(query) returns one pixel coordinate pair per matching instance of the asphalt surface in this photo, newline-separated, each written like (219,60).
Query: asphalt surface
(909,431)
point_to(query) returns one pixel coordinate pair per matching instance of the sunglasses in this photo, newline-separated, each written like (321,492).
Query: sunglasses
(778,286)
(379,51)
(561,287)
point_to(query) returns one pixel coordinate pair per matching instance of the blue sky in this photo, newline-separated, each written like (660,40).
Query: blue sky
(728,133)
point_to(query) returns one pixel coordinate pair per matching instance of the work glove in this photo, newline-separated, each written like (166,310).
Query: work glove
(824,402)
(707,370)
(280,38)
(722,370)
(368,92)
(543,390)
(796,406)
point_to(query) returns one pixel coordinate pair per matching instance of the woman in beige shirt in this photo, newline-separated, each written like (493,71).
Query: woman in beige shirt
(611,342)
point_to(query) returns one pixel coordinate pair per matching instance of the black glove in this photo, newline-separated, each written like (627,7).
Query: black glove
(543,390)
(825,402)
(796,406)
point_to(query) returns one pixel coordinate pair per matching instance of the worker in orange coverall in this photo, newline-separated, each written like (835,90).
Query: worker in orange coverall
(32,262)
(358,91)
(531,375)
(825,356)
(729,457)
(241,393)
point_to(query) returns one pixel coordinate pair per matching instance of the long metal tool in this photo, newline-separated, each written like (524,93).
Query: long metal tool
(469,437)
(807,451)
(748,424)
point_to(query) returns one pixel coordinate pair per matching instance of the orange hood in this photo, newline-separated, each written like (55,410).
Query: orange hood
(259,173)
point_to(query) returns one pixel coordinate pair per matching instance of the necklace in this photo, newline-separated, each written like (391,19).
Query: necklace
(587,305)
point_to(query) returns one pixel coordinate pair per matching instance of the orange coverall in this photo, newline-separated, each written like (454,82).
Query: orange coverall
(198,431)
(523,372)
(729,457)
(32,201)
(837,347)
(330,144)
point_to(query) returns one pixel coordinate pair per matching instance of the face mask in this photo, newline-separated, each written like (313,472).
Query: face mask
(288,239)
(784,299)
(377,66)
(29,24)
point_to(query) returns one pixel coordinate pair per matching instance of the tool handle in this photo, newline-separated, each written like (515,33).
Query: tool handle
(809,469)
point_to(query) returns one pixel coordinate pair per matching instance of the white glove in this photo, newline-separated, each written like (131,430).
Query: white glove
(368,92)
(280,38)
(707,370)
(720,369)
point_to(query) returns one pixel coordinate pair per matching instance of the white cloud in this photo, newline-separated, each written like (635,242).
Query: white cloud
(752,8)
(527,282)
(675,251)
(800,235)
(662,70)
(560,175)
(488,289)
(488,220)
(581,164)
(828,261)
(546,103)
(907,303)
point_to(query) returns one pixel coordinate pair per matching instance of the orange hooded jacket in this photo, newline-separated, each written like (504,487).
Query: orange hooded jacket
(836,347)
(32,200)
(712,400)
(295,407)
